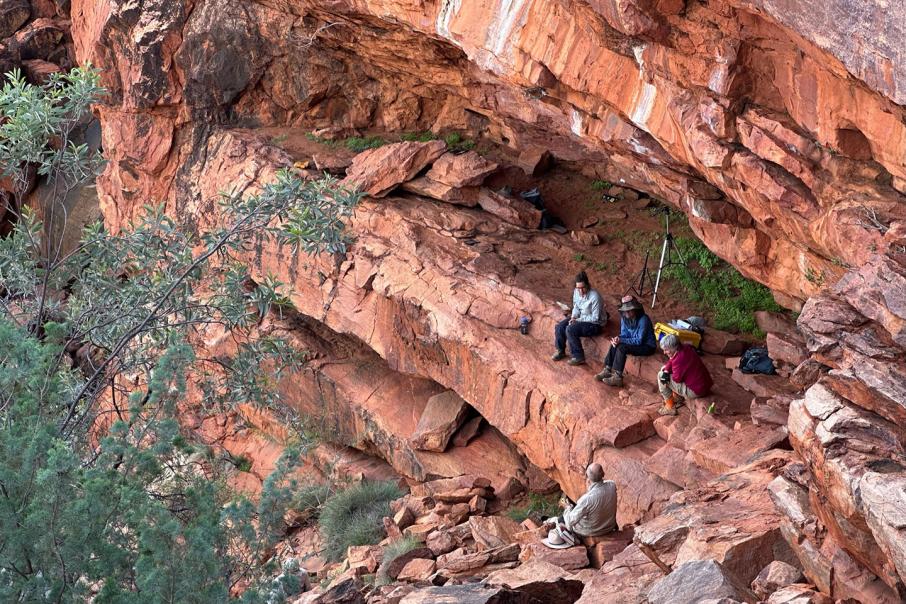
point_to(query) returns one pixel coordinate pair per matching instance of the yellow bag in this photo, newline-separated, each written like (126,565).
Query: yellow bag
(687,336)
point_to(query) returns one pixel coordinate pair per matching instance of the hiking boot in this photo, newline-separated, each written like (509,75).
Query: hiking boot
(574,361)
(665,410)
(615,380)
(558,356)
(604,374)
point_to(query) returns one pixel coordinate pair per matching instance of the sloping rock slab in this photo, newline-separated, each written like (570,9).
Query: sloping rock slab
(798,594)
(677,466)
(509,209)
(570,558)
(465,170)
(424,185)
(696,581)
(623,580)
(490,532)
(379,171)
(540,580)
(731,520)
(441,418)
(731,449)
(466,594)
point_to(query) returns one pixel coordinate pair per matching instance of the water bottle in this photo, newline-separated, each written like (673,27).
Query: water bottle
(523,325)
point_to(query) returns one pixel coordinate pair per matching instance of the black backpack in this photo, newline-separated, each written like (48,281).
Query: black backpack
(756,360)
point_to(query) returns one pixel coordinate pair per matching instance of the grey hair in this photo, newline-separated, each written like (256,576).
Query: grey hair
(594,472)
(669,342)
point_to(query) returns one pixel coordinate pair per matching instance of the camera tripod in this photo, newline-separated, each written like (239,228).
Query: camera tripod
(670,256)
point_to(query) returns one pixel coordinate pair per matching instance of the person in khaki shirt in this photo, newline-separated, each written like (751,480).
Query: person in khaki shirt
(594,514)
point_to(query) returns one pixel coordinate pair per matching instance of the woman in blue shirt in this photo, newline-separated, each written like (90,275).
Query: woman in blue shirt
(636,338)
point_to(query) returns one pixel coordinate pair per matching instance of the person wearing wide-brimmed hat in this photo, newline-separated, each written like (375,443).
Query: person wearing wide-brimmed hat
(636,338)
(594,514)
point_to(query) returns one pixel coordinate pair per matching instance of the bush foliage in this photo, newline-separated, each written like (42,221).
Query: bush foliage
(725,294)
(104,495)
(353,516)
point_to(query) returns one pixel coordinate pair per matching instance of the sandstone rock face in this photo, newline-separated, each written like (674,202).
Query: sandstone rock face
(379,171)
(776,126)
(697,581)
(654,102)
(443,415)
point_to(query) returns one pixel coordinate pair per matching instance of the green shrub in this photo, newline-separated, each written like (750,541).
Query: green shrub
(394,550)
(537,506)
(456,142)
(358,144)
(601,185)
(720,289)
(310,498)
(353,516)
(421,137)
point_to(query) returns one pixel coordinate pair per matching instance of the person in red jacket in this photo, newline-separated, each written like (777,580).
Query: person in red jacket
(683,377)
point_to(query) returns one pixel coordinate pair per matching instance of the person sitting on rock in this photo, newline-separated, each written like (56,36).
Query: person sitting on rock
(683,377)
(594,514)
(586,321)
(636,338)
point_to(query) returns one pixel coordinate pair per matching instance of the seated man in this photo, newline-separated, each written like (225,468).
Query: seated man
(683,377)
(586,321)
(636,338)
(594,514)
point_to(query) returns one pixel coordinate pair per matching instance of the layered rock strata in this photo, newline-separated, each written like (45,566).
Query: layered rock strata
(778,127)
(782,145)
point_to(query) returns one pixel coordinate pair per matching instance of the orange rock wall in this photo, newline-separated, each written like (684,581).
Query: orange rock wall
(763,120)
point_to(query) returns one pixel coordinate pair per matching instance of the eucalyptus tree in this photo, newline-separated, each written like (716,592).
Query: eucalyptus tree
(102,493)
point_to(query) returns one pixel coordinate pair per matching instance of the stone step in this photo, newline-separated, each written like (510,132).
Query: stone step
(728,450)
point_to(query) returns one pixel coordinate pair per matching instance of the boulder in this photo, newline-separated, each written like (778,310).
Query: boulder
(419,569)
(623,580)
(441,542)
(335,163)
(404,517)
(379,171)
(722,343)
(570,558)
(364,556)
(772,411)
(728,450)
(467,169)
(441,418)
(698,580)
(467,432)
(774,322)
(39,39)
(604,548)
(510,209)
(393,567)
(38,71)
(469,593)
(535,161)
(427,187)
(798,594)
(678,467)
(490,532)
(763,385)
(786,348)
(774,576)
(588,238)
(731,520)
(541,581)
(13,15)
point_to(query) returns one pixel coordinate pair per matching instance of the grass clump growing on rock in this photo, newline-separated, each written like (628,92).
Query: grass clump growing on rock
(420,137)
(537,507)
(394,550)
(353,516)
(730,298)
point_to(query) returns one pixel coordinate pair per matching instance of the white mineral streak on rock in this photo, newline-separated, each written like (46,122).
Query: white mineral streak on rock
(448,10)
(575,122)
(508,16)
(643,105)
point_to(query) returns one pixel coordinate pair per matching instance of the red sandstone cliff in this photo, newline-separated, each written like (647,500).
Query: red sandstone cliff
(778,126)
